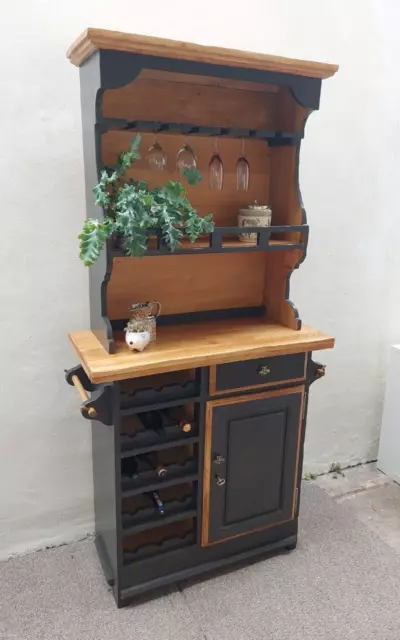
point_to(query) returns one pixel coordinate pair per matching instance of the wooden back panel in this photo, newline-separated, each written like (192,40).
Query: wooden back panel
(158,98)
(211,81)
(187,283)
(223,204)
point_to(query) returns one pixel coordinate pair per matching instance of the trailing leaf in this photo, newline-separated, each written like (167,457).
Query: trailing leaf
(92,239)
(171,235)
(192,175)
(135,146)
(172,189)
(208,223)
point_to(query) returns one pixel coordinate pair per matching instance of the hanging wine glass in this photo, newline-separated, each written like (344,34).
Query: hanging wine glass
(242,171)
(186,158)
(216,169)
(156,157)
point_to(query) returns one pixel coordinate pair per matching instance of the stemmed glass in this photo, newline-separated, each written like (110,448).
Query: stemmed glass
(186,158)
(242,171)
(216,169)
(156,157)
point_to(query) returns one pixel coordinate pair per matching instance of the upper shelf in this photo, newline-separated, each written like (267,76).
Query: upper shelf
(194,345)
(93,40)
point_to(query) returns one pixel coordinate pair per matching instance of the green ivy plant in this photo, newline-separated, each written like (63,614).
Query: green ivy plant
(131,209)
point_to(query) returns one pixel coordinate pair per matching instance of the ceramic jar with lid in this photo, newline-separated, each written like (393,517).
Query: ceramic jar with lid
(255,215)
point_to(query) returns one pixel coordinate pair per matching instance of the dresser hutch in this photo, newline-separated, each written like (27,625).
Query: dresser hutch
(232,354)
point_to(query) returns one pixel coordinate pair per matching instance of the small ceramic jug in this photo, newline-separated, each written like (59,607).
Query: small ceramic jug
(137,341)
(146,313)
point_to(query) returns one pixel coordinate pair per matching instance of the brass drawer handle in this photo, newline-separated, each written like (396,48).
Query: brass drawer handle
(263,370)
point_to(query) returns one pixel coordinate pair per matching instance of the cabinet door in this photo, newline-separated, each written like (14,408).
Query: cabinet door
(251,462)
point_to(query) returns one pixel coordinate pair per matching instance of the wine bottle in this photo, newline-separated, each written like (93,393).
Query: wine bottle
(177,415)
(158,503)
(152,459)
(153,420)
(129,467)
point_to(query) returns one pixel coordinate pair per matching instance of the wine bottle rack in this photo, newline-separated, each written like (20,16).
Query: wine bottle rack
(153,432)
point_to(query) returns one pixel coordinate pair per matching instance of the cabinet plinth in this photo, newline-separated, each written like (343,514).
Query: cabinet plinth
(198,440)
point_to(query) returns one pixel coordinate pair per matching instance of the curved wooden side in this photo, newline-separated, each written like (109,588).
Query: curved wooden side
(287,207)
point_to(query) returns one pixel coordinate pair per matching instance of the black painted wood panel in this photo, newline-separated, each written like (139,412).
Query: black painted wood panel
(255,462)
(106,485)
(254,449)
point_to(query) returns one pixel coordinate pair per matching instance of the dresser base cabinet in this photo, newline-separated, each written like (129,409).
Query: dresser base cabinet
(230,492)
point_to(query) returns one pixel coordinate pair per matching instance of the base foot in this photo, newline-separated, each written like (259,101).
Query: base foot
(108,574)
(291,546)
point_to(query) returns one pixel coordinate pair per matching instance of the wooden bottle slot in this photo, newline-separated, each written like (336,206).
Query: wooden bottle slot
(158,388)
(143,511)
(159,381)
(138,436)
(161,539)
(141,473)
(180,416)
(176,494)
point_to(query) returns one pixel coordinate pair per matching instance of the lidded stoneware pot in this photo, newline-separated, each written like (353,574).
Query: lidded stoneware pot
(255,215)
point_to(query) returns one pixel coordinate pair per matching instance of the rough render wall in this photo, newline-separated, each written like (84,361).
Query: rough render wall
(349,168)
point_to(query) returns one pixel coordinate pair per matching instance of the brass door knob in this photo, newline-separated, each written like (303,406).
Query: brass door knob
(220,481)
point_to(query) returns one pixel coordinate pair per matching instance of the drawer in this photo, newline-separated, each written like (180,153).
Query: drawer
(261,372)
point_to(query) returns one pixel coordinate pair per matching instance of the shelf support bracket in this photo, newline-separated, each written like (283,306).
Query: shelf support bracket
(315,370)
(99,405)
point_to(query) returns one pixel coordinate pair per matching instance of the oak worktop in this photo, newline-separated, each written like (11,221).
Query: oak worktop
(181,347)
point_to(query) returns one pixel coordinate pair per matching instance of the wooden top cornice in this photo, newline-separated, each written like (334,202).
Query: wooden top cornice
(93,40)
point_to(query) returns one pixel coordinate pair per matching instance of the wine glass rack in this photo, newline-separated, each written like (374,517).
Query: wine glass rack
(274,138)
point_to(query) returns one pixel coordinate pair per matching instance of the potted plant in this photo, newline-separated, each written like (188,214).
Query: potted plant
(131,210)
(137,335)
